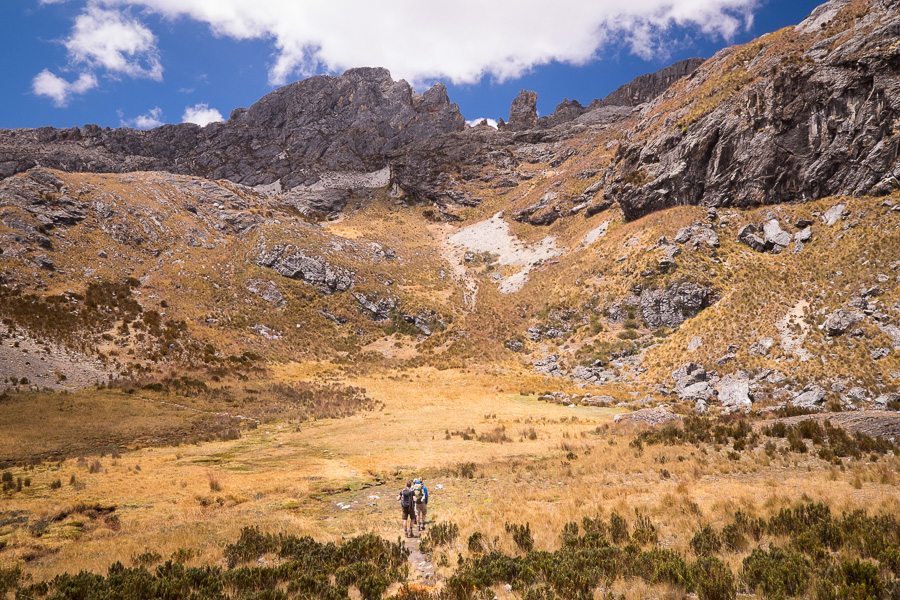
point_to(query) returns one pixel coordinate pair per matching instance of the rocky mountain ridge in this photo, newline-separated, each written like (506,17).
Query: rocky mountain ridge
(290,137)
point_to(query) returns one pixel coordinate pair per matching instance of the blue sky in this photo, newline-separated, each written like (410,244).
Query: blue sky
(143,62)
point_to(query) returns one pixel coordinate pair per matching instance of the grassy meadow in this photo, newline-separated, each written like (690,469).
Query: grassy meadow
(490,455)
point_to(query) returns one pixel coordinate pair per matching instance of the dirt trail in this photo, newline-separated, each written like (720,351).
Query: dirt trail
(421,569)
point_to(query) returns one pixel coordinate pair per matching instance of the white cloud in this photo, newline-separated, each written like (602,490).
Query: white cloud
(476,122)
(152,118)
(113,41)
(201,114)
(60,90)
(420,40)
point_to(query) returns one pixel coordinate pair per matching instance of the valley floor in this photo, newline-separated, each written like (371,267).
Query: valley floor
(489,455)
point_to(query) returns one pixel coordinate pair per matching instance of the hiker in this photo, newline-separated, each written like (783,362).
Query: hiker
(407,505)
(421,494)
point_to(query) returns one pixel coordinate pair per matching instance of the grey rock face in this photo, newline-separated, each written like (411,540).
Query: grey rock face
(671,307)
(809,130)
(294,264)
(619,103)
(841,320)
(346,122)
(647,87)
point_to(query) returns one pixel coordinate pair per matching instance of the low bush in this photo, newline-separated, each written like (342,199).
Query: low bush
(521,535)
(706,542)
(440,534)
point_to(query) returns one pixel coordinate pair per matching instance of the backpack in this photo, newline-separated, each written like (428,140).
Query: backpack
(406,498)
(417,490)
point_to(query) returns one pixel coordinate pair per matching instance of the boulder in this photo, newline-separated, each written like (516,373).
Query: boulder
(804,235)
(687,374)
(747,235)
(514,344)
(841,320)
(379,309)
(42,261)
(833,214)
(882,401)
(267,290)
(696,234)
(893,332)
(701,390)
(763,346)
(650,416)
(775,235)
(734,393)
(812,397)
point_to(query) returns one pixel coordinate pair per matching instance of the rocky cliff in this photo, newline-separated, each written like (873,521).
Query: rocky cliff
(290,136)
(803,113)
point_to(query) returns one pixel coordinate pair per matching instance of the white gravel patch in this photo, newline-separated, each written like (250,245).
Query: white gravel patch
(493,236)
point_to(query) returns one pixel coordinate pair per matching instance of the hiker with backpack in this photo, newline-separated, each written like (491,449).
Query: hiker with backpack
(408,507)
(421,496)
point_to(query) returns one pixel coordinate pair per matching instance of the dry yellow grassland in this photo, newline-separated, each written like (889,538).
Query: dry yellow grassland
(291,477)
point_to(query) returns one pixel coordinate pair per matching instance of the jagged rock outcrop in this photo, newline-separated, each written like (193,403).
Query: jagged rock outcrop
(295,264)
(671,307)
(842,320)
(647,87)
(634,93)
(523,112)
(779,127)
(292,135)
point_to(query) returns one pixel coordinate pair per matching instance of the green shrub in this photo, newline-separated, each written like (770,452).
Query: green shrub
(706,542)
(859,580)
(733,539)
(713,579)
(440,534)
(521,535)
(644,530)
(475,543)
(146,558)
(777,573)
(662,566)
(9,579)
(466,470)
(618,528)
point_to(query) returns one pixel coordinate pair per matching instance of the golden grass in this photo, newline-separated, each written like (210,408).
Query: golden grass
(285,477)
